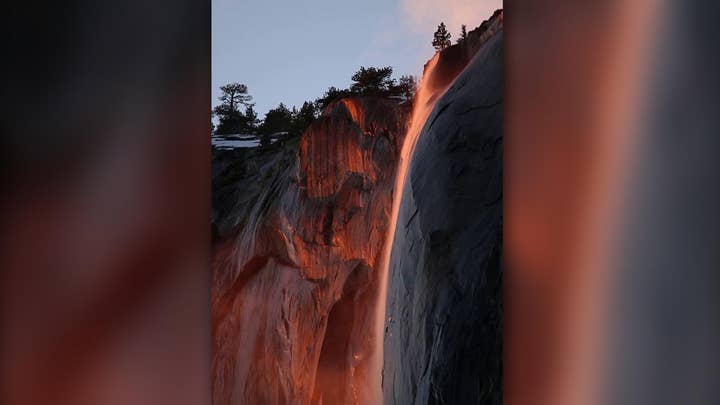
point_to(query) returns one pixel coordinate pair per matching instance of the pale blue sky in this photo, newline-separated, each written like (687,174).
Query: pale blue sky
(292,51)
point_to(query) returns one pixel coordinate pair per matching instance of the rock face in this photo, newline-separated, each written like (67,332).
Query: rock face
(299,231)
(443,335)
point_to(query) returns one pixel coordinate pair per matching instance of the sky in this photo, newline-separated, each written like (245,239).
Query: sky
(291,51)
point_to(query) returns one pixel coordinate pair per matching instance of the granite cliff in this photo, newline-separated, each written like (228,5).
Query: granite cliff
(294,285)
(443,326)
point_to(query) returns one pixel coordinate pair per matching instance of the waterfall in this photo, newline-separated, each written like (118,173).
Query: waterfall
(428,93)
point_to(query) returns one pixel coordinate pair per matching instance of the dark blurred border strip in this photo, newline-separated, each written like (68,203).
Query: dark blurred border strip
(611,192)
(106,203)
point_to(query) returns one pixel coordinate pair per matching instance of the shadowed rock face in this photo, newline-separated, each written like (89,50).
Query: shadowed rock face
(443,336)
(294,284)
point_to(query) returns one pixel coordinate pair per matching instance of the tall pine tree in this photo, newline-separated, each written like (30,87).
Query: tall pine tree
(230,119)
(251,121)
(441,38)
(463,34)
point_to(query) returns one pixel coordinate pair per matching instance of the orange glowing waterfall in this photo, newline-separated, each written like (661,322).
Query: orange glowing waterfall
(429,92)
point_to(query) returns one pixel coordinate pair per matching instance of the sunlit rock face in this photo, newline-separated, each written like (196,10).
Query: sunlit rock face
(443,337)
(299,232)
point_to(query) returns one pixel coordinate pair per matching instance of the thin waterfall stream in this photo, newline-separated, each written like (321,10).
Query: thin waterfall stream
(426,97)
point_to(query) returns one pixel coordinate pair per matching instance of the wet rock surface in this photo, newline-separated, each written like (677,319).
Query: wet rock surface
(443,335)
(298,230)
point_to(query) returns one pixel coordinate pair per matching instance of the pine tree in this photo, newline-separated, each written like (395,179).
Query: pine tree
(230,119)
(463,34)
(277,120)
(372,81)
(304,117)
(406,87)
(233,95)
(441,38)
(251,120)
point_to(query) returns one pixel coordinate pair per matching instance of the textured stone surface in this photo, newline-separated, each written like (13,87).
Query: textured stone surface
(299,230)
(443,336)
